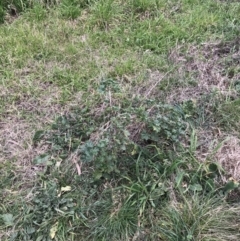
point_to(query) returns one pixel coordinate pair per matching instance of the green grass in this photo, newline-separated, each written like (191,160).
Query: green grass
(115,117)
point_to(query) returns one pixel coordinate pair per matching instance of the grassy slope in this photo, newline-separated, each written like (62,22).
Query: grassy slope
(118,54)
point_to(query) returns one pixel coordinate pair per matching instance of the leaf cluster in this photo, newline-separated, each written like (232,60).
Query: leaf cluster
(114,136)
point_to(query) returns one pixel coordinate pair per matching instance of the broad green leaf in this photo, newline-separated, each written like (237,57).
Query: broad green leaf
(214,170)
(97,175)
(195,187)
(30,230)
(39,238)
(8,219)
(38,135)
(213,167)
(126,133)
(231,185)
(189,237)
(43,160)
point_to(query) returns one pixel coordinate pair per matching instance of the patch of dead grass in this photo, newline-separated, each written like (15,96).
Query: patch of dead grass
(207,65)
(228,156)
(221,147)
(148,88)
(199,71)
(16,145)
(21,120)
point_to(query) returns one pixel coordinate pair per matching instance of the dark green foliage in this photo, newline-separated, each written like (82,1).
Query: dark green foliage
(2,14)
(71,9)
(49,207)
(18,4)
(113,143)
(143,170)
(68,8)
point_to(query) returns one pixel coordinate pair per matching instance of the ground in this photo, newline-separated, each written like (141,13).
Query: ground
(119,120)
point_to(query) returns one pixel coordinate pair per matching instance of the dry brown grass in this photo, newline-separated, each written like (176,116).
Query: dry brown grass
(21,120)
(228,156)
(207,66)
(147,89)
(221,147)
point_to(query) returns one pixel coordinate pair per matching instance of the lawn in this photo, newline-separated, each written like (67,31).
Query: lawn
(120,120)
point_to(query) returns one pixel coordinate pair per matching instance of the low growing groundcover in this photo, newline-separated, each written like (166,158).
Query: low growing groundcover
(119,120)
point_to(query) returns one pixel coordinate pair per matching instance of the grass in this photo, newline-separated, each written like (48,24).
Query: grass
(119,120)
